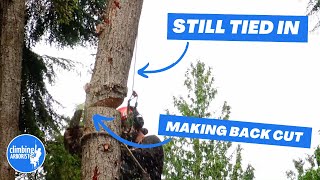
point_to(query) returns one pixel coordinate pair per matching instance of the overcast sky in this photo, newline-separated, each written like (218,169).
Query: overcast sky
(274,83)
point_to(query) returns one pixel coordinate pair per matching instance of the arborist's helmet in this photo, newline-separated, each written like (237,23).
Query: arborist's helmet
(123,112)
(132,119)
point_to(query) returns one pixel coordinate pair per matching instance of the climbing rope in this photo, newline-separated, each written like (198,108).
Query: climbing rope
(146,176)
(134,61)
(134,94)
(137,162)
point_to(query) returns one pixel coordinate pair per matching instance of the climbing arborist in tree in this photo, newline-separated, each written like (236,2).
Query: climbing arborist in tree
(131,124)
(139,163)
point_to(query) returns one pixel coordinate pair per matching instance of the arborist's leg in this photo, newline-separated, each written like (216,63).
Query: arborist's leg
(129,169)
(151,159)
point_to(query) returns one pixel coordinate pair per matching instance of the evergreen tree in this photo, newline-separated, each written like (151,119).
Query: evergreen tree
(312,172)
(64,24)
(38,116)
(61,23)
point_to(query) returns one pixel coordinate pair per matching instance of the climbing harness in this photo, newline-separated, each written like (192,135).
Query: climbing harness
(131,117)
(135,114)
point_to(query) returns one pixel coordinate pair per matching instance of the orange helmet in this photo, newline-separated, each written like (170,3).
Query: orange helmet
(135,118)
(124,112)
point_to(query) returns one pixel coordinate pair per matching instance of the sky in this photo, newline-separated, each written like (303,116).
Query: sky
(263,82)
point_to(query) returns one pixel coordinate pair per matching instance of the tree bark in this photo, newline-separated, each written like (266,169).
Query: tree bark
(12,15)
(108,88)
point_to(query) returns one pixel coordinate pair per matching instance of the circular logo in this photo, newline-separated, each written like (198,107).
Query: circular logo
(26,153)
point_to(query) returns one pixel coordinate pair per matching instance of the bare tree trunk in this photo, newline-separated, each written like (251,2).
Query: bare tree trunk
(108,88)
(12,14)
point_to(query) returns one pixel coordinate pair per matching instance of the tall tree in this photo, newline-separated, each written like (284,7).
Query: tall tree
(202,159)
(108,87)
(65,23)
(12,18)
(61,22)
(311,172)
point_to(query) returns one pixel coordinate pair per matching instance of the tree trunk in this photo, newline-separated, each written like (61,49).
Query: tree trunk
(12,14)
(108,88)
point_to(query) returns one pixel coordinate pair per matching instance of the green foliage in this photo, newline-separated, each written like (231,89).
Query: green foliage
(310,173)
(38,117)
(59,163)
(37,114)
(249,173)
(64,22)
(202,159)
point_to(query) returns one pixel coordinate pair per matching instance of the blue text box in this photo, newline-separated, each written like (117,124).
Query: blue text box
(236,131)
(223,27)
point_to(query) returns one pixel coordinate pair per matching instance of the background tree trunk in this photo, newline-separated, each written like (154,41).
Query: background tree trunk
(108,88)
(12,14)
